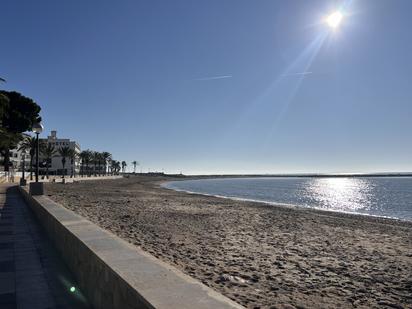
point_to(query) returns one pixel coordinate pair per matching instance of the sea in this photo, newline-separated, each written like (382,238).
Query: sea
(375,196)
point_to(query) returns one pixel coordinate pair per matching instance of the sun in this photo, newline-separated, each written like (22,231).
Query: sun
(334,19)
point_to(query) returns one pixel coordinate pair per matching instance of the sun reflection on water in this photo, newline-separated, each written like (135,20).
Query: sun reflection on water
(342,194)
(377,196)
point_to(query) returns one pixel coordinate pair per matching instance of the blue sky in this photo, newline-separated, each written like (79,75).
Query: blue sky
(140,79)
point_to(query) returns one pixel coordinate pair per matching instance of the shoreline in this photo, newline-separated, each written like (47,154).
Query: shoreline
(278,204)
(258,255)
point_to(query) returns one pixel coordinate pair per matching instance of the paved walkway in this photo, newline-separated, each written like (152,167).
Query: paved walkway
(32,275)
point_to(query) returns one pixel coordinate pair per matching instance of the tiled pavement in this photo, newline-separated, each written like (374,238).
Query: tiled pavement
(32,275)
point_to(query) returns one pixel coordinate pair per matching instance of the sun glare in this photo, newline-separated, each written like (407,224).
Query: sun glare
(334,19)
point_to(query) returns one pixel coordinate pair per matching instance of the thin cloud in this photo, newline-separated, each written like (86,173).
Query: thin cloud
(297,74)
(214,77)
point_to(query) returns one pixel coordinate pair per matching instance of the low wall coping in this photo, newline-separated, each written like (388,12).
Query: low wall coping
(139,275)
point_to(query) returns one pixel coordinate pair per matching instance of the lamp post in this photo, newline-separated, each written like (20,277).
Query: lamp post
(23,167)
(36,188)
(37,128)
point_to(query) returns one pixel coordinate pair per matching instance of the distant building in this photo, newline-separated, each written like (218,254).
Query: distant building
(56,166)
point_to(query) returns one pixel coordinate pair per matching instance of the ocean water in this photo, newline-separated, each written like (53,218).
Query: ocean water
(377,196)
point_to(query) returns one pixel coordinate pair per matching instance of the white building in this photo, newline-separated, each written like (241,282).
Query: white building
(56,165)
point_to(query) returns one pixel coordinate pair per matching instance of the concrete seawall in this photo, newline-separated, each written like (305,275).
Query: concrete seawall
(115,274)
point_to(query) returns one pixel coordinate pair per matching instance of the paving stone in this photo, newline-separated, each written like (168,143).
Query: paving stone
(6,266)
(30,268)
(6,223)
(6,245)
(7,282)
(8,300)
(7,228)
(6,255)
(6,238)
(6,233)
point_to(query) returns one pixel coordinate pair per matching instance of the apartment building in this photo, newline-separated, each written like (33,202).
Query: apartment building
(56,165)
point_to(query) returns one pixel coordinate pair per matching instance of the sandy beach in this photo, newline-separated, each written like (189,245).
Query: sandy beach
(260,256)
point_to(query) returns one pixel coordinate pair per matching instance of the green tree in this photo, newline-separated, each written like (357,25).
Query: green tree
(115,167)
(90,158)
(8,140)
(18,114)
(135,163)
(86,157)
(29,144)
(4,105)
(48,151)
(95,160)
(64,152)
(84,161)
(73,157)
(124,164)
(100,160)
(106,156)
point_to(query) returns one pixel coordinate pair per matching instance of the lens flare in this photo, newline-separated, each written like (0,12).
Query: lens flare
(72,289)
(334,19)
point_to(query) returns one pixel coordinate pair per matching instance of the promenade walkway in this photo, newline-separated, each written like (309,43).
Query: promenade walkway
(32,275)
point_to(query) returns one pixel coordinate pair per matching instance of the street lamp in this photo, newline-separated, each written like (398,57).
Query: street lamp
(37,128)
(23,157)
(36,188)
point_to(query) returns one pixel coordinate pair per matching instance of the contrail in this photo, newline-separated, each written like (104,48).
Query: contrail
(297,74)
(214,77)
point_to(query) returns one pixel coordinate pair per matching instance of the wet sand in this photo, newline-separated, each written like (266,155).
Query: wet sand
(260,256)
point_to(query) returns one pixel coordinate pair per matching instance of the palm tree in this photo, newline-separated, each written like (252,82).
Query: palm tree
(82,161)
(115,166)
(111,166)
(135,163)
(64,152)
(100,162)
(124,164)
(85,156)
(95,160)
(106,156)
(73,156)
(48,152)
(29,144)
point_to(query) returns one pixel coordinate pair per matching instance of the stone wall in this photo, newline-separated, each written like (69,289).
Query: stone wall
(115,274)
